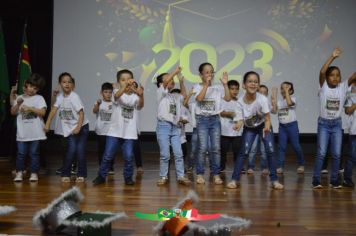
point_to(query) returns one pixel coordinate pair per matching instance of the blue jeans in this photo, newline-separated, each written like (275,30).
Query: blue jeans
(111,147)
(289,131)
(351,159)
(32,149)
(76,144)
(328,130)
(194,143)
(168,135)
(209,129)
(248,136)
(257,146)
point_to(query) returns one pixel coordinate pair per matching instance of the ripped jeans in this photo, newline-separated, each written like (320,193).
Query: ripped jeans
(248,136)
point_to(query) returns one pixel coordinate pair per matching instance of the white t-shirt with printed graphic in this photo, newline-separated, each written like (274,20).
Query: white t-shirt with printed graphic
(253,114)
(30,127)
(351,99)
(286,114)
(124,118)
(169,105)
(103,118)
(332,100)
(211,104)
(227,124)
(68,108)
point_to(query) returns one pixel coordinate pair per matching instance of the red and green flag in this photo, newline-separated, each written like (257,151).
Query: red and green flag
(25,66)
(4,78)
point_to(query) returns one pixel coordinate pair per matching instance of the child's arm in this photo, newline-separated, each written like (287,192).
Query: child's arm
(170,77)
(289,101)
(41,112)
(121,91)
(322,75)
(224,81)
(267,127)
(352,79)
(227,114)
(274,100)
(51,115)
(54,95)
(187,98)
(80,122)
(15,109)
(96,106)
(141,102)
(13,95)
(238,125)
(183,91)
(350,110)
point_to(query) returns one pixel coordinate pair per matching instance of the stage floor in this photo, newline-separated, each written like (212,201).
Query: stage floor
(297,210)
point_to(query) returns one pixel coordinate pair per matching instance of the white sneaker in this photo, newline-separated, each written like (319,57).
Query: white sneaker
(279,171)
(34,177)
(200,179)
(18,177)
(300,170)
(325,171)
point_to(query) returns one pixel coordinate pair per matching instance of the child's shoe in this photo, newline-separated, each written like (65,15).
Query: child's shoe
(233,184)
(162,181)
(217,180)
(200,179)
(265,172)
(65,179)
(279,171)
(18,177)
(80,180)
(34,177)
(300,170)
(98,180)
(184,181)
(276,185)
(250,171)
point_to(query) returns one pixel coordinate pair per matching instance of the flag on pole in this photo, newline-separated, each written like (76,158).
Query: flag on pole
(4,78)
(24,66)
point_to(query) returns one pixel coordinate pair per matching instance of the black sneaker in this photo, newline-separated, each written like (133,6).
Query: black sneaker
(317,185)
(243,171)
(348,183)
(129,182)
(98,180)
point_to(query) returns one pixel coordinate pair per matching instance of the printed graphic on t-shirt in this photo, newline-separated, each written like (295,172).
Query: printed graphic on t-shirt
(127,112)
(66,114)
(173,108)
(332,104)
(254,120)
(104,115)
(207,105)
(28,116)
(283,112)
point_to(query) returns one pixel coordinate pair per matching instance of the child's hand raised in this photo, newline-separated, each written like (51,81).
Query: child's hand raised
(98,101)
(225,78)
(336,52)
(177,70)
(19,101)
(139,91)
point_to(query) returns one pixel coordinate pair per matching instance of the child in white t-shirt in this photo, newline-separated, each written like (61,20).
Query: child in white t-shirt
(255,116)
(229,136)
(207,110)
(103,110)
(123,127)
(75,127)
(167,130)
(29,109)
(350,108)
(288,125)
(332,96)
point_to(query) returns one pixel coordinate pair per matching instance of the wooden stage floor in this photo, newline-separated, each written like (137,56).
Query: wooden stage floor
(298,209)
